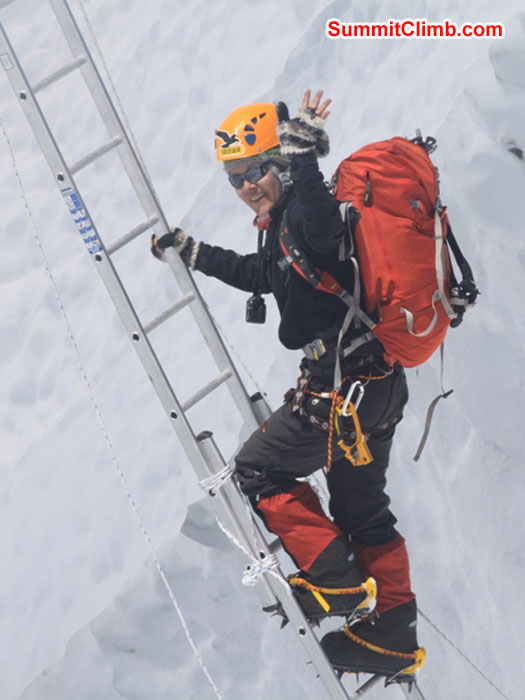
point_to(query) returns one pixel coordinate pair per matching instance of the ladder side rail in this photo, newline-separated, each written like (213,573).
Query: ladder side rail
(151,206)
(105,268)
(291,607)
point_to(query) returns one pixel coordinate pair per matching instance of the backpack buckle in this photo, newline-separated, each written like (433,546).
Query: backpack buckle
(315,350)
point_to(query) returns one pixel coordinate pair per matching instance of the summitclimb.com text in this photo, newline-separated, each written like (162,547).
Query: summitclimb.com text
(413,29)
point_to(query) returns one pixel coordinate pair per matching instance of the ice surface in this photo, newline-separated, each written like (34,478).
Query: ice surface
(83,611)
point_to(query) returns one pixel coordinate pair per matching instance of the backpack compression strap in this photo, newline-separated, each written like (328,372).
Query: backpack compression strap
(439,294)
(464,294)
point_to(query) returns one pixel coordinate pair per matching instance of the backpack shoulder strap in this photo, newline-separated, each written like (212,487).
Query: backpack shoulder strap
(324,281)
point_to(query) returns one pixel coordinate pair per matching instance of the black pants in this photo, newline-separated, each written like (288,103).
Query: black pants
(290,447)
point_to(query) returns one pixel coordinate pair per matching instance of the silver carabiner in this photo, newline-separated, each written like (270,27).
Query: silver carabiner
(360,393)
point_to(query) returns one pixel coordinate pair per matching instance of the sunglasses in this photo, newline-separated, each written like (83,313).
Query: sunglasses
(253,174)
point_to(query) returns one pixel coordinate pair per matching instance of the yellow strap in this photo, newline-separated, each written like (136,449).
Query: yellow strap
(303,583)
(322,601)
(371,595)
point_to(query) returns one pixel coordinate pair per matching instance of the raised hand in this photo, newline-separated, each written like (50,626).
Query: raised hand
(305,133)
(320,111)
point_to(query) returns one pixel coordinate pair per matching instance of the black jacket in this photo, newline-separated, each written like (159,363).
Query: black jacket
(315,223)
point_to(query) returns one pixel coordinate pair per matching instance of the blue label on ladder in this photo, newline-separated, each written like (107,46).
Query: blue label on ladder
(81,219)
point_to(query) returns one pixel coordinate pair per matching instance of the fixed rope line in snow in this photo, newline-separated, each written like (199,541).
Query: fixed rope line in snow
(462,654)
(98,413)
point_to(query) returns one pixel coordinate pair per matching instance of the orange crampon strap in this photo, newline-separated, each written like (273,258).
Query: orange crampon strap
(369,587)
(417,657)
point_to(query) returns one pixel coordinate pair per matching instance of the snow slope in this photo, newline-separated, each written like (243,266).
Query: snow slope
(83,611)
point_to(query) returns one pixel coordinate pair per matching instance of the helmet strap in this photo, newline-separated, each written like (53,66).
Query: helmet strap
(282,175)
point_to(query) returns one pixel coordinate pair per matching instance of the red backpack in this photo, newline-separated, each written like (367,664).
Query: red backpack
(402,242)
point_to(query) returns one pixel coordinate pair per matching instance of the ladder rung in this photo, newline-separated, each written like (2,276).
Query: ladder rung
(60,73)
(367,685)
(113,143)
(223,377)
(144,226)
(275,546)
(169,312)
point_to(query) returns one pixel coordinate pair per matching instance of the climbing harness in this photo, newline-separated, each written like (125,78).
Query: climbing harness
(343,408)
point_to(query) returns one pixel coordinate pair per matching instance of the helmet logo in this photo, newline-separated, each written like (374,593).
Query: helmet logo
(227,147)
(249,132)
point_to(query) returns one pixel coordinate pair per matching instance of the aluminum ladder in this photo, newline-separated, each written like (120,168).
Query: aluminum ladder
(201,449)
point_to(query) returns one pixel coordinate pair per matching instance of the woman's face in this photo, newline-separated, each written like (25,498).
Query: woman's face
(260,196)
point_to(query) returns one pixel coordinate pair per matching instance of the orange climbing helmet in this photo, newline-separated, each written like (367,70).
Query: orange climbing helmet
(247,132)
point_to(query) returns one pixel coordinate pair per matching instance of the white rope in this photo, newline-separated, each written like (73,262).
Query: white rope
(101,420)
(254,571)
(214,482)
(258,567)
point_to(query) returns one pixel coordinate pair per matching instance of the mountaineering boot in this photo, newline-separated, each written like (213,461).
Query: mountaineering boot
(330,581)
(334,584)
(381,644)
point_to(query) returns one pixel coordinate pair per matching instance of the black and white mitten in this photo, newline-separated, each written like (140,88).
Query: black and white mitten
(304,134)
(184,245)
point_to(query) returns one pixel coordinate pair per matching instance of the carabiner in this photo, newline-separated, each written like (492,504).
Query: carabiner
(357,385)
